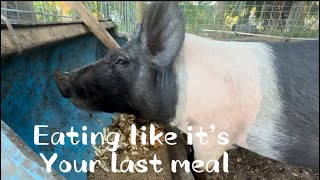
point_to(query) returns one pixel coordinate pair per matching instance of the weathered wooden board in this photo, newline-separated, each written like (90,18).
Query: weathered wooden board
(93,24)
(33,36)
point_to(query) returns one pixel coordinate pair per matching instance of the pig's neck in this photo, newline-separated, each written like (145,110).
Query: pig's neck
(219,83)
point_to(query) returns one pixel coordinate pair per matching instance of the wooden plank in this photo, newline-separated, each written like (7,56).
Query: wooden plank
(139,11)
(93,24)
(30,37)
(20,23)
(250,34)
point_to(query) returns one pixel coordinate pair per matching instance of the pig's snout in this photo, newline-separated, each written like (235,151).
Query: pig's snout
(63,84)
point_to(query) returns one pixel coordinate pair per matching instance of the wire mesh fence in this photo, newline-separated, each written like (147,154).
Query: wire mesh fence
(216,19)
(297,19)
(33,12)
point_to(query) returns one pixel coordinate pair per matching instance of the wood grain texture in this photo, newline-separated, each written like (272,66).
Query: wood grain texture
(93,24)
(30,36)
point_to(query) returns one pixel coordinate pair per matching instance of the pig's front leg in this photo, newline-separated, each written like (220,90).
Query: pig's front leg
(210,152)
(212,146)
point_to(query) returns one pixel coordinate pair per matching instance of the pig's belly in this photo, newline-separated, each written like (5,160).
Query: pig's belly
(225,91)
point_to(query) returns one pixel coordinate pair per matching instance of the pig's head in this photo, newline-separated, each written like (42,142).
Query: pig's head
(138,78)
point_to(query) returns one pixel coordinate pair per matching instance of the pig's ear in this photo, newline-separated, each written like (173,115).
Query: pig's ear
(162,32)
(136,32)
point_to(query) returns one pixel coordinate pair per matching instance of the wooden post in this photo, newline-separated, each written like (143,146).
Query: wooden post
(139,11)
(93,24)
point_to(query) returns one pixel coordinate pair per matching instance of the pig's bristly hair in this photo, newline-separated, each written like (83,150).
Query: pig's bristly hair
(162,32)
(161,36)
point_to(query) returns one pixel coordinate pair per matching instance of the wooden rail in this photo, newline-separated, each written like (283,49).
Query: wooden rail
(93,24)
(33,36)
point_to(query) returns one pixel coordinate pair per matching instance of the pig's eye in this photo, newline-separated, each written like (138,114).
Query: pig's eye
(122,61)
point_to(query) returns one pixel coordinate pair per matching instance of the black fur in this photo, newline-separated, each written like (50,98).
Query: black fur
(297,66)
(137,78)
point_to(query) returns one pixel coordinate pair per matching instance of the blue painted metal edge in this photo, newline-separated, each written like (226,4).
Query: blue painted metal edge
(18,158)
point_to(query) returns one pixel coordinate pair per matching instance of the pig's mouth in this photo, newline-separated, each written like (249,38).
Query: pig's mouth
(84,105)
(63,84)
(90,104)
(65,89)
(81,104)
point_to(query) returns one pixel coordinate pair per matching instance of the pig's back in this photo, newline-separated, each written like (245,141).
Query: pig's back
(287,125)
(297,66)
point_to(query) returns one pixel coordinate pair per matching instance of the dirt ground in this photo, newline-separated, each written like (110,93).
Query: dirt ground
(247,165)
(162,155)
(243,164)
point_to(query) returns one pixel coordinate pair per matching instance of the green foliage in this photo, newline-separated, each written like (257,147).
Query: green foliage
(53,11)
(290,18)
(279,18)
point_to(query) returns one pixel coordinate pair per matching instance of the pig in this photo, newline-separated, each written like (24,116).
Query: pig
(264,95)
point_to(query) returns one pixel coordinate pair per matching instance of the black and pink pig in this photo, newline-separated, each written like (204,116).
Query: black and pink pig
(264,95)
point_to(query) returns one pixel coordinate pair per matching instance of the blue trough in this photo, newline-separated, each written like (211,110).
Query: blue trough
(30,97)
